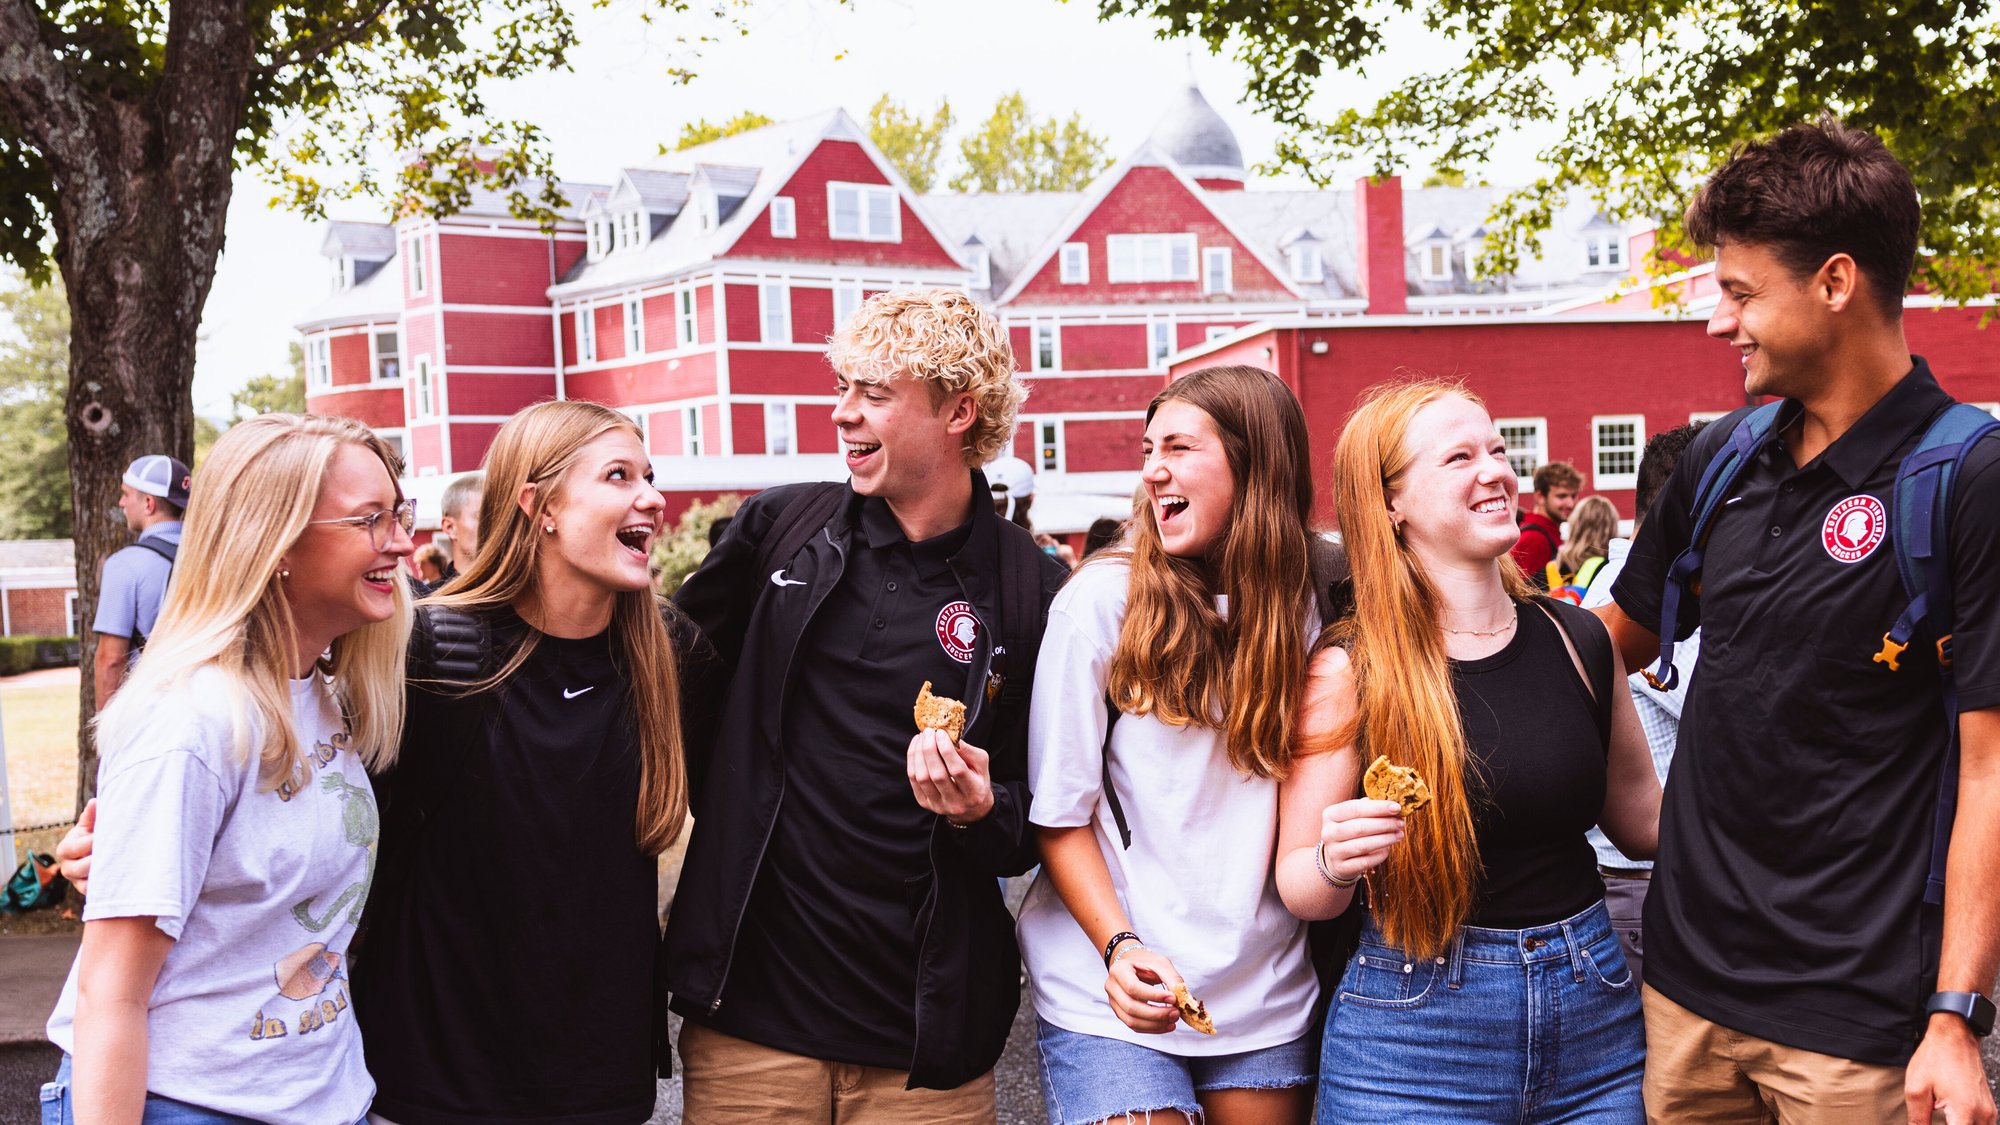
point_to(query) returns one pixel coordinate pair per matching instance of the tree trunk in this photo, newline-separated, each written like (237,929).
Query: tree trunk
(142,190)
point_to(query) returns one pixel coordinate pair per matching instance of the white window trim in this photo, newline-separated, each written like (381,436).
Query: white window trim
(863,194)
(1540,448)
(981,269)
(687,311)
(423,393)
(791,430)
(1602,481)
(783,307)
(691,443)
(419,274)
(375,357)
(69,612)
(1308,264)
(849,294)
(598,239)
(1437,250)
(1156,356)
(1211,256)
(1134,271)
(1609,248)
(319,363)
(586,334)
(635,326)
(1035,330)
(1075,254)
(784,217)
(1060,442)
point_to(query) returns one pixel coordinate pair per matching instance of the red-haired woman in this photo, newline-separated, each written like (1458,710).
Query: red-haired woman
(1489,985)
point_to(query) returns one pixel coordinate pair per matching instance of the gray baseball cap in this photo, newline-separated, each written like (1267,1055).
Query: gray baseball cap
(157,474)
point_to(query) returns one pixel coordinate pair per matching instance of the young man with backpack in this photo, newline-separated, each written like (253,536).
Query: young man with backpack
(134,583)
(838,948)
(1556,486)
(1820,924)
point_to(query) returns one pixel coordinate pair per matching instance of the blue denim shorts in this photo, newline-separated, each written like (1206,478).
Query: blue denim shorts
(57,1110)
(1531,1025)
(1089,1078)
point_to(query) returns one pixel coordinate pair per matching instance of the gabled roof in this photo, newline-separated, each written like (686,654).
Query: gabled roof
(1011,225)
(377,298)
(1101,188)
(364,242)
(1196,137)
(657,191)
(487,202)
(751,167)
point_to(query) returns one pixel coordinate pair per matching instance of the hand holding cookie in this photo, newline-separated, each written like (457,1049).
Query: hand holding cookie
(949,777)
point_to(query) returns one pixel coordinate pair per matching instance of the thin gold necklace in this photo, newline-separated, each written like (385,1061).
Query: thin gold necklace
(1480,632)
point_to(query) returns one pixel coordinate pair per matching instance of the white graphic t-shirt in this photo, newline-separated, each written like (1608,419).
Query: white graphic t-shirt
(260,890)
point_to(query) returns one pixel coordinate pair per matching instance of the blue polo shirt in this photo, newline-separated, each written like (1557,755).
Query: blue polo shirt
(135,583)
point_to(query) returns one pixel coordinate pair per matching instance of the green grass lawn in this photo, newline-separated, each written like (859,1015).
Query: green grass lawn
(40,723)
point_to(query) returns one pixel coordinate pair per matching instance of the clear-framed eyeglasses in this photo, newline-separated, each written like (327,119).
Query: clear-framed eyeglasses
(379,522)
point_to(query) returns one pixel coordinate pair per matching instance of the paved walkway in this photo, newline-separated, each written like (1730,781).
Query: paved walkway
(32,970)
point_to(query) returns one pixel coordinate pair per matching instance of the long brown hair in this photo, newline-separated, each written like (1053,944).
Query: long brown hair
(1592,526)
(1406,706)
(1177,657)
(539,446)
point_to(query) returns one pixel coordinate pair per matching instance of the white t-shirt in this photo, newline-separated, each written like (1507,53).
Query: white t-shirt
(1197,882)
(260,890)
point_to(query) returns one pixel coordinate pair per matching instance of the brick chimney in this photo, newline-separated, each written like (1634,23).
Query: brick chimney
(1378,218)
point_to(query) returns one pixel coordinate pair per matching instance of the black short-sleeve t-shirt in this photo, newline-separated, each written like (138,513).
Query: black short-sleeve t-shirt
(1795,833)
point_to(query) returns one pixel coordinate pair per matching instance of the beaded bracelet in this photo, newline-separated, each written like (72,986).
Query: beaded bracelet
(1319,861)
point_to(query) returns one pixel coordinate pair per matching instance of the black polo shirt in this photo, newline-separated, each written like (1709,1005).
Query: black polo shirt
(1795,833)
(826,960)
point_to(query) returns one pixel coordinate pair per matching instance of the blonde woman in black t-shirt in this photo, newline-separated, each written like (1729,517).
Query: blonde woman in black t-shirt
(1487,915)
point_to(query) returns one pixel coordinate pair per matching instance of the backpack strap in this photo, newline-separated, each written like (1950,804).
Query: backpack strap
(167,551)
(1920,522)
(799,522)
(1684,576)
(1020,639)
(1592,642)
(1104,761)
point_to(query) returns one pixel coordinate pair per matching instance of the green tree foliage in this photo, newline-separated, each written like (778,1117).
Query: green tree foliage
(1647,96)
(911,143)
(679,552)
(702,131)
(1012,151)
(273,393)
(34,365)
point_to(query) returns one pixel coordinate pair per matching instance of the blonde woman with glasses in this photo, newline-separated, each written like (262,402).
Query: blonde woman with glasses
(239,827)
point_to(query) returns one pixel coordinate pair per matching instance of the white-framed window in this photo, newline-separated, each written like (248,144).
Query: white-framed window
(1527,441)
(635,326)
(586,334)
(863,212)
(1048,444)
(1604,250)
(1075,263)
(1215,270)
(846,299)
(1159,341)
(776,299)
(1217,331)
(631,229)
(425,403)
(69,612)
(1043,347)
(691,431)
(1149,257)
(688,327)
(1434,261)
(781,436)
(343,272)
(388,364)
(1702,416)
(1615,443)
(419,273)
(980,266)
(784,217)
(1306,262)
(600,238)
(707,209)
(319,363)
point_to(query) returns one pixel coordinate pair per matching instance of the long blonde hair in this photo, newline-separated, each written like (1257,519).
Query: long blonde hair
(539,446)
(1406,706)
(1592,525)
(1177,657)
(228,608)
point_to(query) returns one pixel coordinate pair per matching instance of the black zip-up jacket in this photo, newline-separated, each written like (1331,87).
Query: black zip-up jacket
(968,982)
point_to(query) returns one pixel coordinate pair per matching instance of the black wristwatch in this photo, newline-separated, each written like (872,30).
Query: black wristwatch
(1976,1010)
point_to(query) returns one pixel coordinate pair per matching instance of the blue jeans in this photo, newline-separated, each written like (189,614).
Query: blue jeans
(1089,1078)
(57,1110)
(1534,1025)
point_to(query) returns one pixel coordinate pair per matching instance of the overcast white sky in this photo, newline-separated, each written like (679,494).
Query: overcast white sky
(800,57)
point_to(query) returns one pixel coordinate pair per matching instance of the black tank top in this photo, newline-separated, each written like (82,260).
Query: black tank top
(1538,784)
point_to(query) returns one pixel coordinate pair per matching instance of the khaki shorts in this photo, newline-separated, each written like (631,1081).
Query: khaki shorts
(727,1081)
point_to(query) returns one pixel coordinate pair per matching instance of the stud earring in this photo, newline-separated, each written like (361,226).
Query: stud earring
(284,573)
(548,529)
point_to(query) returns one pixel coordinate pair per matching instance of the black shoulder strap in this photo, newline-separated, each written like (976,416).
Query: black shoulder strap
(1104,762)
(161,547)
(796,525)
(1593,647)
(1020,640)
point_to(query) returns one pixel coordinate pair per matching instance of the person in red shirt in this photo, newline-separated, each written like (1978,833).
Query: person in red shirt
(1556,485)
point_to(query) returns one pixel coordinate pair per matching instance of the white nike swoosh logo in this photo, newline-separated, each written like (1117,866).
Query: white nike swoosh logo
(778,579)
(568,694)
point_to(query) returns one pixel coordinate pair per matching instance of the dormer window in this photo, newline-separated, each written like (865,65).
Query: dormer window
(980,262)
(1604,250)
(600,238)
(1434,260)
(343,272)
(707,214)
(631,229)
(1306,262)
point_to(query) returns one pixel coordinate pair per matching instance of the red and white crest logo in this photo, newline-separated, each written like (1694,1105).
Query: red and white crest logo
(958,631)
(1854,528)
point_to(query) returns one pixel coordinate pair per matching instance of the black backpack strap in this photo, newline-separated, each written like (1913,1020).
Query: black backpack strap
(796,525)
(1104,760)
(161,548)
(1593,646)
(1014,653)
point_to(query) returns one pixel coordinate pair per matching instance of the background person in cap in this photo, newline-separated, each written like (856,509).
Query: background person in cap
(154,492)
(1013,484)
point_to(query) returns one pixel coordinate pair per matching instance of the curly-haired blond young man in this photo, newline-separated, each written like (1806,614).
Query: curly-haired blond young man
(838,947)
